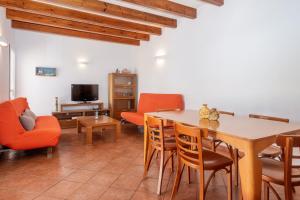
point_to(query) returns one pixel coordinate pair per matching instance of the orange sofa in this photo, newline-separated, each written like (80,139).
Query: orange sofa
(12,135)
(153,103)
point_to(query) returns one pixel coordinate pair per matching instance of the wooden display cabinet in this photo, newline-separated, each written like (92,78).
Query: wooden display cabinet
(122,94)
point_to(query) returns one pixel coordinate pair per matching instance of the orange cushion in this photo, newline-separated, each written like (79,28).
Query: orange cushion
(20,105)
(47,122)
(10,126)
(133,117)
(154,102)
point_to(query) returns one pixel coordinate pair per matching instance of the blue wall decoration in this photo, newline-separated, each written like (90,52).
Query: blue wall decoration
(45,71)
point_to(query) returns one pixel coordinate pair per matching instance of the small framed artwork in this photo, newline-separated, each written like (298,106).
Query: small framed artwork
(45,71)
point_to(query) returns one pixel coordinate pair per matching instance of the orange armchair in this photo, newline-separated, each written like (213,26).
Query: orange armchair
(153,103)
(12,135)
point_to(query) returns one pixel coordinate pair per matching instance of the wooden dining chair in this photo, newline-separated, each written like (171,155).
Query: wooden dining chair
(190,153)
(161,144)
(168,124)
(272,151)
(283,172)
(213,144)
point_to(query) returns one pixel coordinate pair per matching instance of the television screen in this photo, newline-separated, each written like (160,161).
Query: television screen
(84,92)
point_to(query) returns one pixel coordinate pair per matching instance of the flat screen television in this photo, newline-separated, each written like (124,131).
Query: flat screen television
(84,92)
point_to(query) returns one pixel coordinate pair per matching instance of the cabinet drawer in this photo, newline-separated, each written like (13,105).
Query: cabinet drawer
(72,123)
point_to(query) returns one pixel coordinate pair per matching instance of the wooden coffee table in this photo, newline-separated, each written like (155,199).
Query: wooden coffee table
(89,123)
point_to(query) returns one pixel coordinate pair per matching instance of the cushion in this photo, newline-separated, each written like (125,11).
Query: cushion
(132,117)
(29,113)
(27,122)
(47,123)
(154,102)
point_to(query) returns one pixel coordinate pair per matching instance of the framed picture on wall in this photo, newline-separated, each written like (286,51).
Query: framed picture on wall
(45,71)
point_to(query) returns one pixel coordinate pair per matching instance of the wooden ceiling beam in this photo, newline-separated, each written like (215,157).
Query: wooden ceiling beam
(70,14)
(215,2)
(119,11)
(168,6)
(62,23)
(72,33)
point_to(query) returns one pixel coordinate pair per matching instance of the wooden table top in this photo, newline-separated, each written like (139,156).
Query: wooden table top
(241,127)
(101,121)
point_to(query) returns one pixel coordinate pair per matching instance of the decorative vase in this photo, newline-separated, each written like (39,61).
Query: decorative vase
(204,112)
(214,115)
(214,125)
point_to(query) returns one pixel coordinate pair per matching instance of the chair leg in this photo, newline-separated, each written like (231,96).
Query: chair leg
(177,180)
(275,192)
(266,191)
(157,154)
(201,185)
(236,167)
(181,172)
(148,162)
(172,162)
(161,172)
(288,191)
(229,184)
(189,174)
(240,193)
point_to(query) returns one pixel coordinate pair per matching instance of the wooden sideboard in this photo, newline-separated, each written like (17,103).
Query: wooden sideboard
(69,112)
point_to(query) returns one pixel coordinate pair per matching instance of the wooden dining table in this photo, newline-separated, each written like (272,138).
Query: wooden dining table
(250,136)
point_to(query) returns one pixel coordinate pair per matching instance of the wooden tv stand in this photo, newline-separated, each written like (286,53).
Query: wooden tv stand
(69,112)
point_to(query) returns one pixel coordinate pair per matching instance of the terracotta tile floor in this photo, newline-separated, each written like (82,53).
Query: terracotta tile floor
(104,171)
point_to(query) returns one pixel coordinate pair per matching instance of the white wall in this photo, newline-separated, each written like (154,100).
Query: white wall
(39,49)
(6,32)
(242,57)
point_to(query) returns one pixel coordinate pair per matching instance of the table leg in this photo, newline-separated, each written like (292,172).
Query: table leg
(251,175)
(251,168)
(145,139)
(118,131)
(89,135)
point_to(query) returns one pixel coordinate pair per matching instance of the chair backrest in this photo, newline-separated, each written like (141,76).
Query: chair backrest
(271,118)
(278,119)
(226,113)
(189,144)
(155,132)
(288,143)
(160,102)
